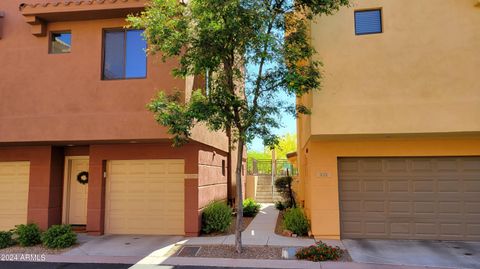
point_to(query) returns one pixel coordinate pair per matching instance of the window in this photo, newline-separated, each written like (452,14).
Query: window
(124,54)
(60,42)
(368,22)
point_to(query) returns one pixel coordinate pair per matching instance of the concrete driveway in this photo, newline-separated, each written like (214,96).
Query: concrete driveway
(452,254)
(121,245)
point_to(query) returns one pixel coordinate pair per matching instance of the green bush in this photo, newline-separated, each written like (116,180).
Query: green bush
(250,208)
(319,252)
(59,236)
(279,205)
(6,239)
(295,221)
(216,217)
(28,235)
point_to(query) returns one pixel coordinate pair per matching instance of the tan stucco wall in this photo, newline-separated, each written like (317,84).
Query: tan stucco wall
(251,187)
(319,170)
(419,76)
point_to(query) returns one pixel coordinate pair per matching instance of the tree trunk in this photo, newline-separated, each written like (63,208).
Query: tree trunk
(239,199)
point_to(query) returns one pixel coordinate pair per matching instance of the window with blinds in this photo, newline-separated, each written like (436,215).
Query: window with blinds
(368,22)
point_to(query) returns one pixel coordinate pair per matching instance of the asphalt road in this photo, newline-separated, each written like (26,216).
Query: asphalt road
(47,265)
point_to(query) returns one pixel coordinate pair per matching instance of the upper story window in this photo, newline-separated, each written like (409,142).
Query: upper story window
(124,54)
(60,42)
(368,22)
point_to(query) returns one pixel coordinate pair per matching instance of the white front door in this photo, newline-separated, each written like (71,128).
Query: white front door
(77,191)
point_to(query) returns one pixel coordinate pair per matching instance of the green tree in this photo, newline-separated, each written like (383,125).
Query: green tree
(218,39)
(286,143)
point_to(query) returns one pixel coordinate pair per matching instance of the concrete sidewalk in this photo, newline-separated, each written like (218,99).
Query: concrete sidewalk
(260,232)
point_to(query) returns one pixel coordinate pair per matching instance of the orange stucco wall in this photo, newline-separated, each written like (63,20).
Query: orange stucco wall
(62,98)
(212,177)
(320,175)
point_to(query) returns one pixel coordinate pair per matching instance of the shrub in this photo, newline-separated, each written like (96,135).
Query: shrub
(59,236)
(28,235)
(6,239)
(279,205)
(319,252)
(250,207)
(284,188)
(295,221)
(216,217)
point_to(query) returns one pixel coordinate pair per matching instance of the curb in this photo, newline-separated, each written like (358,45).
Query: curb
(139,262)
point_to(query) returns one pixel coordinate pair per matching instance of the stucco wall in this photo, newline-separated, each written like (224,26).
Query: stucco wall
(320,171)
(61,97)
(419,76)
(212,177)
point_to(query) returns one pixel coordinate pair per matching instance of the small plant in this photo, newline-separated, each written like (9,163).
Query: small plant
(250,207)
(280,206)
(295,220)
(284,187)
(319,252)
(6,239)
(216,217)
(59,236)
(28,234)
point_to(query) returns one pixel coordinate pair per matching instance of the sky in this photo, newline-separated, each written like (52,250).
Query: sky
(287,121)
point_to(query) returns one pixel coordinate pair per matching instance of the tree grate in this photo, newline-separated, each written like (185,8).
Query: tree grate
(188,252)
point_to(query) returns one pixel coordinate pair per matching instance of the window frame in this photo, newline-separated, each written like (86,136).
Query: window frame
(119,29)
(50,40)
(379,9)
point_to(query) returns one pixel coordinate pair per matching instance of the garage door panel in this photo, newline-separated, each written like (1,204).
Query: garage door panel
(472,186)
(145,197)
(14,181)
(395,166)
(398,186)
(352,227)
(422,166)
(371,166)
(400,229)
(373,186)
(400,207)
(410,198)
(471,165)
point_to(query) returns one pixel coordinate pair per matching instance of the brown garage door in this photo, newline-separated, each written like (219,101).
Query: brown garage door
(410,198)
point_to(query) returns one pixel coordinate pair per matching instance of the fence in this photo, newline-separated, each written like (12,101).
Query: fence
(264,167)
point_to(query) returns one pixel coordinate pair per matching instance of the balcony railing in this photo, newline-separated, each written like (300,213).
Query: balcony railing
(265,167)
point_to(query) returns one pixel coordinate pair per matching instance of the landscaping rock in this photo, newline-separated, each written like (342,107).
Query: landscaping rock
(287,233)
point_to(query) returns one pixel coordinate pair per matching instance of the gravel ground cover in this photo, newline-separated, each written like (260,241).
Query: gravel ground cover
(271,253)
(38,249)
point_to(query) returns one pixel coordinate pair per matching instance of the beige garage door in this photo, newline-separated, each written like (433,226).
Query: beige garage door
(14,178)
(410,198)
(145,197)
